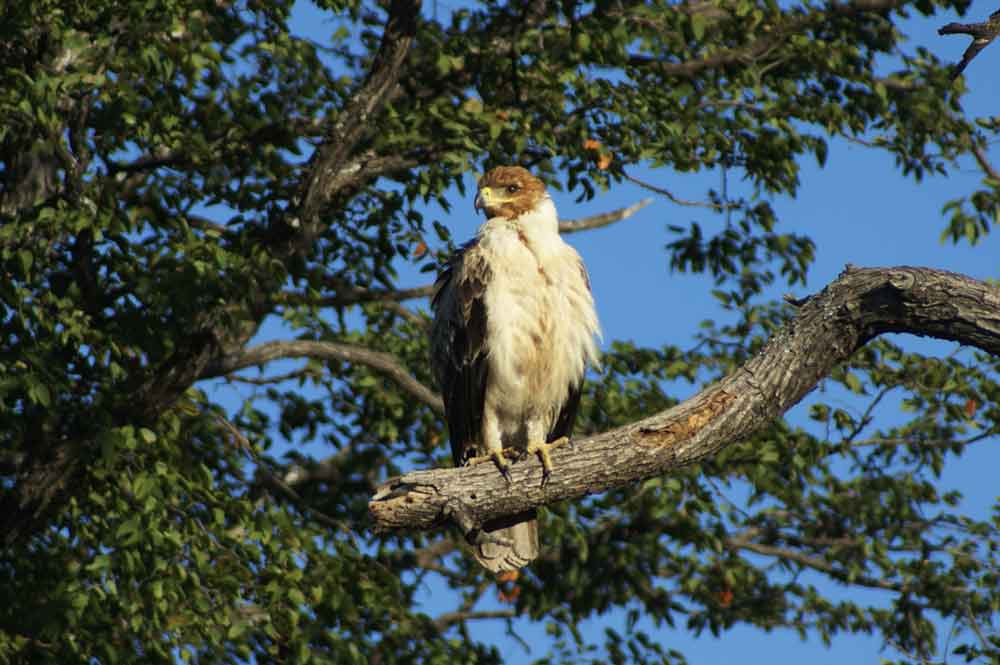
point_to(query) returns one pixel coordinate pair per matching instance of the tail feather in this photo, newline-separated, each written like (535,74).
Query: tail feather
(521,531)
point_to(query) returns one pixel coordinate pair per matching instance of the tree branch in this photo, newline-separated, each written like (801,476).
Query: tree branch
(924,443)
(207,346)
(384,363)
(985,165)
(756,48)
(274,480)
(786,554)
(982,35)
(413,317)
(330,158)
(604,219)
(674,199)
(271,380)
(449,618)
(830,326)
(349,295)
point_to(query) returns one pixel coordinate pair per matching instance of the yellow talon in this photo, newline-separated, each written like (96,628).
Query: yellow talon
(497,457)
(543,450)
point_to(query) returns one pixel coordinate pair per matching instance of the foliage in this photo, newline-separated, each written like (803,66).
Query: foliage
(179,174)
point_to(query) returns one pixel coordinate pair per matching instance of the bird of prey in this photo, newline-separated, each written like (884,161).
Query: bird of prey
(514,330)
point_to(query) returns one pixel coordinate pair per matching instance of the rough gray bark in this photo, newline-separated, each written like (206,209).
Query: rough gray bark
(830,326)
(982,35)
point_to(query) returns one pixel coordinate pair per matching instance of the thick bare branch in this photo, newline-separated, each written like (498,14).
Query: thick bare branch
(330,159)
(830,326)
(982,35)
(384,363)
(604,219)
(206,347)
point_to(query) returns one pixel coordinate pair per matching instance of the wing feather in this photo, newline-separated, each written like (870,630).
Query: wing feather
(563,425)
(458,348)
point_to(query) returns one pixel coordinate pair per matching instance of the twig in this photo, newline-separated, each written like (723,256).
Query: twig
(924,443)
(679,201)
(449,618)
(317,514)
(984,164)
(407,313)
(604,219)
(977,629)
(268,380)
(347,295)
(741,543)
(324,470)
(866,417)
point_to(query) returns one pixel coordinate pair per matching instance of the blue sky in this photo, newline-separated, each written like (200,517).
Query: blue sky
(858,209)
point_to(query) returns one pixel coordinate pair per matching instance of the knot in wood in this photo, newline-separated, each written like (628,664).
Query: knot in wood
(902,281)
(683,427)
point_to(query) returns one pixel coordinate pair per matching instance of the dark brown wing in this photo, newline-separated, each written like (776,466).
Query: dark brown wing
(567,416)
(458,352)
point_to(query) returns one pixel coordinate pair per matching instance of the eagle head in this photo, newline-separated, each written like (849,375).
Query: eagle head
(509,192)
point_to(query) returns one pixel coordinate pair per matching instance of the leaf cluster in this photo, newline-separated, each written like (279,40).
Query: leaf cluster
(184,180)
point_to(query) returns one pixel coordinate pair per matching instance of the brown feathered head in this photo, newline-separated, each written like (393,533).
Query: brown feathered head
(509,192)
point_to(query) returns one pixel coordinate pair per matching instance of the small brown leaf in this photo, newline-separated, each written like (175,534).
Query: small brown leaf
(420,249)
(970,407)
(508,594)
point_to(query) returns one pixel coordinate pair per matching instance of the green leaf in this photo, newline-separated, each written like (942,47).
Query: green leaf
(698,25)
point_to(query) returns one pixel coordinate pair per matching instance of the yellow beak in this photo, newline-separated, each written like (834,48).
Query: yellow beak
(483,198)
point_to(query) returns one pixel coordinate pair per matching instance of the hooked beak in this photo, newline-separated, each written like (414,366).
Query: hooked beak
(483,197)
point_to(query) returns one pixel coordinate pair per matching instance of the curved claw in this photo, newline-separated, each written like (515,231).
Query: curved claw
(503,464)
(543,451)
(498,458)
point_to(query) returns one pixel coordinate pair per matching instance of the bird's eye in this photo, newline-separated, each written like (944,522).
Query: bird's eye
(511,189)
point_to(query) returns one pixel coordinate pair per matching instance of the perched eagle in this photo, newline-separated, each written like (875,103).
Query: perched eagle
(514,329)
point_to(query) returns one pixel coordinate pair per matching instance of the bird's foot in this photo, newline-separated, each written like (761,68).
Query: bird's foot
(543,451)
(498,458)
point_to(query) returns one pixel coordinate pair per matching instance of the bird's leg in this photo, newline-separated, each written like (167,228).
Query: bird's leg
(543,450)
(493,441)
